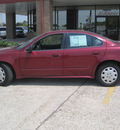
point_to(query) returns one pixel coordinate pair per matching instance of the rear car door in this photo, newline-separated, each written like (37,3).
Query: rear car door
(82,52)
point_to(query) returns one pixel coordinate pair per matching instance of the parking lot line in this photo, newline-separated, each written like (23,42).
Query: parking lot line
(108,95)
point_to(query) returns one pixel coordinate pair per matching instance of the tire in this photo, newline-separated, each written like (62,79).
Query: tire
(6,75)
(108,74)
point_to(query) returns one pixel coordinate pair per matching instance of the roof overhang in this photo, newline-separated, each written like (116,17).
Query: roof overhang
(14,1)
(20,7)
(84,2)
(68,2)
(23,6)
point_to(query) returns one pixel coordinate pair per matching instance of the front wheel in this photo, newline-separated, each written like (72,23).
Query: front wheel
(6,75)
(108,74)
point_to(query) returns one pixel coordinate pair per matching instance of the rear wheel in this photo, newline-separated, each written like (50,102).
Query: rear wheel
(108,74)
(6,75)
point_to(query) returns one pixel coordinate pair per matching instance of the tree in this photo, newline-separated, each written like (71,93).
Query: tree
(25,23)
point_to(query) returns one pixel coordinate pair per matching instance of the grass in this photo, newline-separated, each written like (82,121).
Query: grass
(6,43)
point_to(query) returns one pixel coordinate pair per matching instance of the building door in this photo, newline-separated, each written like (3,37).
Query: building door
(108,26)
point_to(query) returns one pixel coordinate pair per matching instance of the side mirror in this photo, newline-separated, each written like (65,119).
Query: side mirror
(29,50)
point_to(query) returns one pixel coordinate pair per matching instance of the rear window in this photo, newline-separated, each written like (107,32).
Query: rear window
(19,28)
(2,29)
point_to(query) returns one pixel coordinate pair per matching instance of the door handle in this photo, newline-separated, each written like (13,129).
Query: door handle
(95,53)
(56,55)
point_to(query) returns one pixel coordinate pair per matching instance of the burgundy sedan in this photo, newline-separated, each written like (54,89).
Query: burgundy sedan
(63,54)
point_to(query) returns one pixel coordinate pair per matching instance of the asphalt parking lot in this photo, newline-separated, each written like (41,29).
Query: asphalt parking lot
(59,104)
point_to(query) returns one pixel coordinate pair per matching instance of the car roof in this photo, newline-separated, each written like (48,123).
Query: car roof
(71,31)
(74,31)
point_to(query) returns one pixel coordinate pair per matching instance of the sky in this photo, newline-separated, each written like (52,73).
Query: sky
(19,18)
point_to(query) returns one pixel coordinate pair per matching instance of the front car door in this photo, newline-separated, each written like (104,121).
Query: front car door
(82,52)
(46,58)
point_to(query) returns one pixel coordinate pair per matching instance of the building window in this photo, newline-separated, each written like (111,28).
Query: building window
(86,18)
(32,20)
(59,19)
(81,18)
(107,21)
(104,20)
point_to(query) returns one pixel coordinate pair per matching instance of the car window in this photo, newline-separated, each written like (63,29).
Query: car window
(82,40)
(2,29)
(49,42)
(19,28)
(78,40)
(97,42)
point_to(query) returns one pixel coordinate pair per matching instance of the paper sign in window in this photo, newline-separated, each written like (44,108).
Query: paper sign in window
(78,40)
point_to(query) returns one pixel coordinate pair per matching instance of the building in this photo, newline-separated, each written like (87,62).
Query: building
(100,16)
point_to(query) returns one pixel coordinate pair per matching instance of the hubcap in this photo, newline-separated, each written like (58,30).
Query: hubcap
(109,75)
(2,75)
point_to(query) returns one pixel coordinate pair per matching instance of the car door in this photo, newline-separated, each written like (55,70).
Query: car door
(46,58)
(82,52)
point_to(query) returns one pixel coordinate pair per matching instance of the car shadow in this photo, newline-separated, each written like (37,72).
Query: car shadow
(49,82)
(57,82)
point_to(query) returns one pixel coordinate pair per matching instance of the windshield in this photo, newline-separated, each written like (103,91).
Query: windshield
(112,40)
(26,28)
(106,38)
(24,44)
(109,39)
